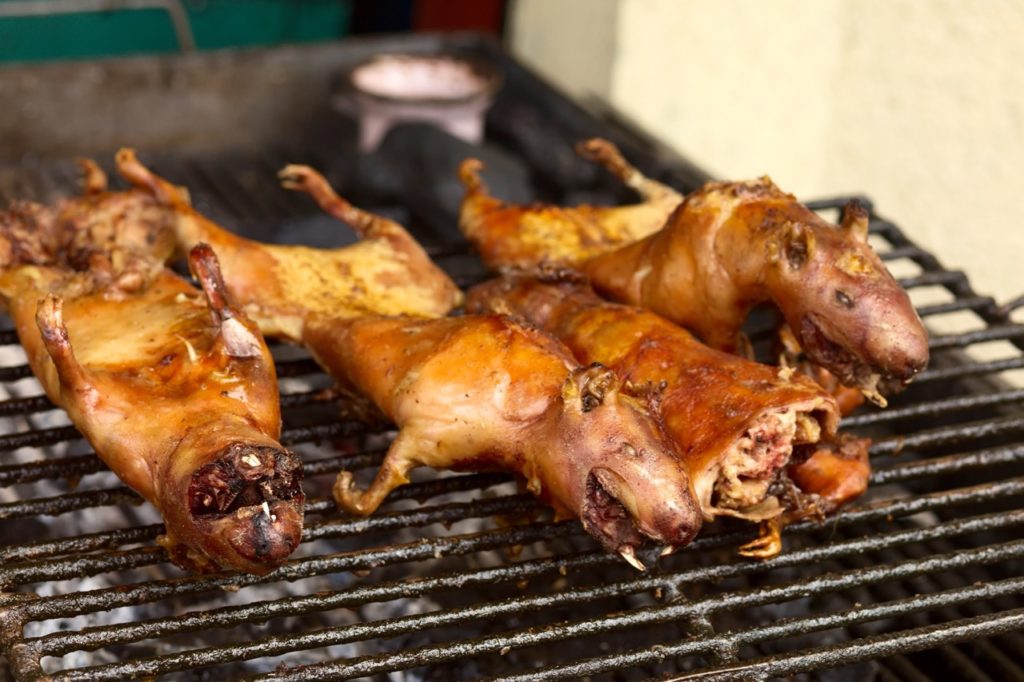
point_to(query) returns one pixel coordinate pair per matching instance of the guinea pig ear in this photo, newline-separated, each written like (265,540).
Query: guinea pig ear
(590,385)
(797,244)
(855,220)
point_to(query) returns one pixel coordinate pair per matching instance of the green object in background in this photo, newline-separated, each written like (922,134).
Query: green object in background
(214,24)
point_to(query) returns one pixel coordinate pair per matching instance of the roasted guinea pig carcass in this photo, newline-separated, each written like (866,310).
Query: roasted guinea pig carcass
(523,236)
(738,425)
(732,245)
(107,224)
(386,273)
(488,393)
(176,391)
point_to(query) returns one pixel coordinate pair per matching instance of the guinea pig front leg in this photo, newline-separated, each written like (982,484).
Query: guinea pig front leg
(401,458)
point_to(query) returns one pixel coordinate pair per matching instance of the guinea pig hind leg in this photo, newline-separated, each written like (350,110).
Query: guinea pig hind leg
(399,461)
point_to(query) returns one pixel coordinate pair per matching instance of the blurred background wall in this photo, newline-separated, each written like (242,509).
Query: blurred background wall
(920,105)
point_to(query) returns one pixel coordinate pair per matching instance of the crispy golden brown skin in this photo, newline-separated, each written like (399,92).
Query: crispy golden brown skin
(487,393)
(91,230)
(735,422)
(745,432)
(176,392)
(524,236)
(792,355)
(731,245)
(386,273)
(724,249)
(834,473)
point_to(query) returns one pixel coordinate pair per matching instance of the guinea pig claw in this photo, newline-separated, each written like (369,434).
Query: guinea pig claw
(875,397)
(630,556)
(767,545)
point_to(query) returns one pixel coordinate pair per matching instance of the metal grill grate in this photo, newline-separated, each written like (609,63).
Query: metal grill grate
(464,577)
(443,588)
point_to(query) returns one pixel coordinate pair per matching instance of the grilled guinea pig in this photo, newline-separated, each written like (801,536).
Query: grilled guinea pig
(487,393)
(176,391)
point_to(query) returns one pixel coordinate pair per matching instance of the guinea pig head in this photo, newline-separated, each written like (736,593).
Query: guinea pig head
(849,313)
(617,469)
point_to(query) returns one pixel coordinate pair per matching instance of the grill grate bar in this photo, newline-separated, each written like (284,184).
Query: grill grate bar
(50,468)
(105,599)
(39,438)
(841,202)
(903,252)
(969,369)
(842,654)
(109,539)
(122,633)
(16,406)
(445,513)
(67,567)
(927,279)
(947,465)
(934,408)
(949,435)
(412,658)
(68,502)
(917,639)
(59,642)
(13,373)
(1001,333)
(967,303)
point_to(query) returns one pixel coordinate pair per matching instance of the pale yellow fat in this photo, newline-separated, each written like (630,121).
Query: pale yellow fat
(319,282)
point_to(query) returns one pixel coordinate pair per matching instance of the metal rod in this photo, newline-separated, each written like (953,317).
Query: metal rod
(228,616)
(37,8)
(655,614)
(412,658)
(889,644)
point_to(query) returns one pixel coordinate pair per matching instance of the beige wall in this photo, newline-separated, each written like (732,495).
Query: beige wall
(918,104)
(577,55)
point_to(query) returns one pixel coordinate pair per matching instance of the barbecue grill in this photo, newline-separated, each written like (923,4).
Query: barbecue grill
(464,576)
